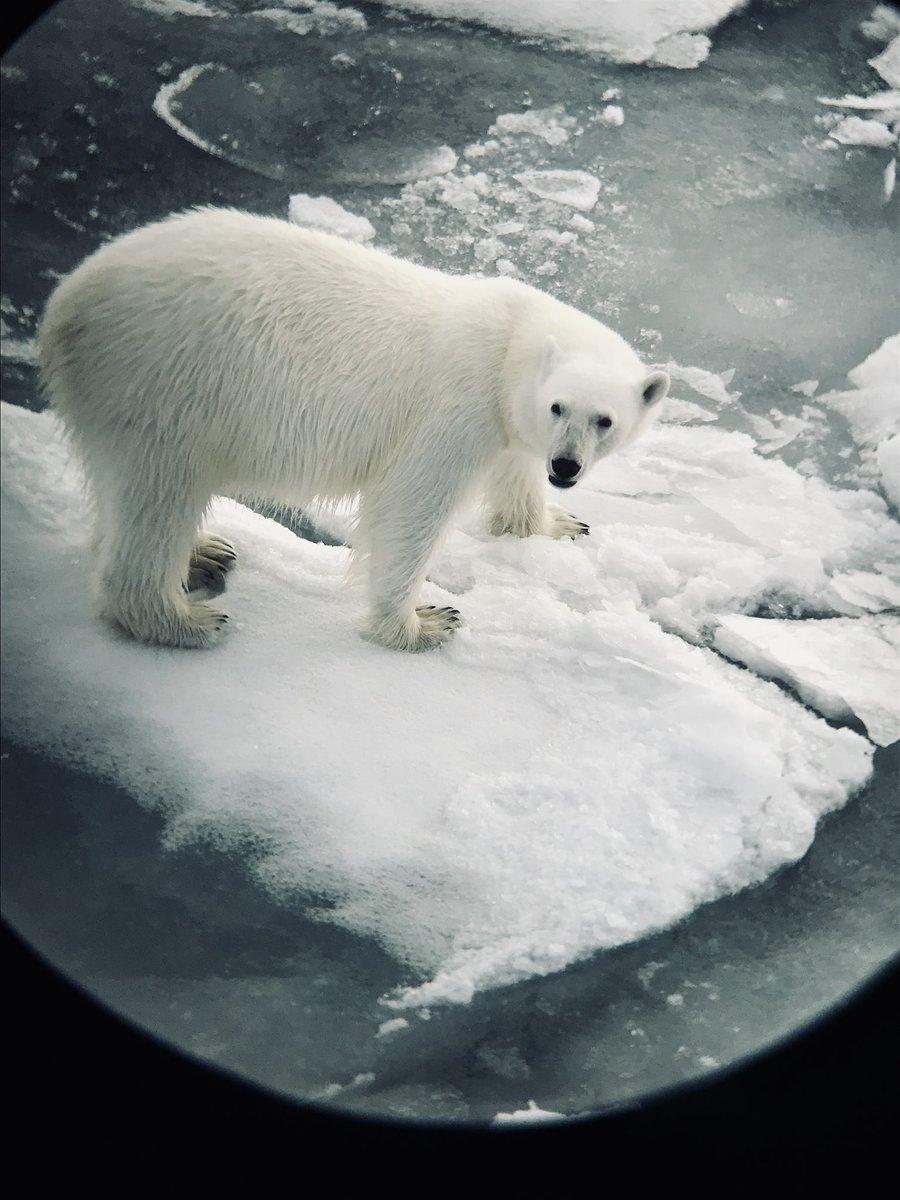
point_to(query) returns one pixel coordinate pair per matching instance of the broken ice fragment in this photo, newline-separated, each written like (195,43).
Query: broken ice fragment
(750,304)
(576,189)
(857,131)
(839,666)
(880,102)
(705,383)
(807,387)
(323,213)
(887,64)
(681,50)
(551,125)
(889,180)
(531,1113)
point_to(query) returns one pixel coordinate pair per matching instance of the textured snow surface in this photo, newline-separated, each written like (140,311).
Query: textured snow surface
(565,776)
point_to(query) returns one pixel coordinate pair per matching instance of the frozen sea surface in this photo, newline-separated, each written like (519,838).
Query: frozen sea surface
(390,866)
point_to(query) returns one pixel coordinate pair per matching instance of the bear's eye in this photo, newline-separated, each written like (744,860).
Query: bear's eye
(556,409)
(604,422)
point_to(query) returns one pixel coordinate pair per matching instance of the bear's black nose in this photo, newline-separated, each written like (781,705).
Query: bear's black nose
(565,468)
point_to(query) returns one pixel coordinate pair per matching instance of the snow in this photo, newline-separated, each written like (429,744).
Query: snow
(565,776)
(840,666)
(321,212)
(628,31)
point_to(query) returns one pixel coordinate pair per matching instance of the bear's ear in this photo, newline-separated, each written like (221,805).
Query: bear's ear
(654,388)
(550,357)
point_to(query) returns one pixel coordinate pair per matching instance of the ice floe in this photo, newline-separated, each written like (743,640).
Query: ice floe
(629,31)
(565,776)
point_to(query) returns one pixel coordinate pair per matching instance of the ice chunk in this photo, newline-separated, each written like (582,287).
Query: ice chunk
(178,8)
(576,189)
(863,591)
(887,64)
(806,387)
(840,666)
(551,125)
(313,16)
(705,383)
(882,25)
(529,1114)
(887,459)
(762,307)
(395,1025)
(321,212)
(872,411)
(612,114)
(881,368)
(889,180)
(602,779)
(857,131)
(681,50)
(879,102)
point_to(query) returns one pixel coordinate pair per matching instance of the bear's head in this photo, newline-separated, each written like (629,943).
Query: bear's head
(584,409)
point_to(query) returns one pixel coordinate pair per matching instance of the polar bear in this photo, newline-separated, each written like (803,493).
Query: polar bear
(218,351)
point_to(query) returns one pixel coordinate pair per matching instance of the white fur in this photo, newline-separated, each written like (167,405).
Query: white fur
(222,352)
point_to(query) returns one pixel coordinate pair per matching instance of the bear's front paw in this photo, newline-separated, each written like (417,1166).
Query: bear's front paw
(437,622)
(562,524)
(428,627)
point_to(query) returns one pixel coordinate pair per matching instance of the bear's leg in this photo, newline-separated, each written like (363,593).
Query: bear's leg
(145,537)
(517,504)
(398,536)
(211,560)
